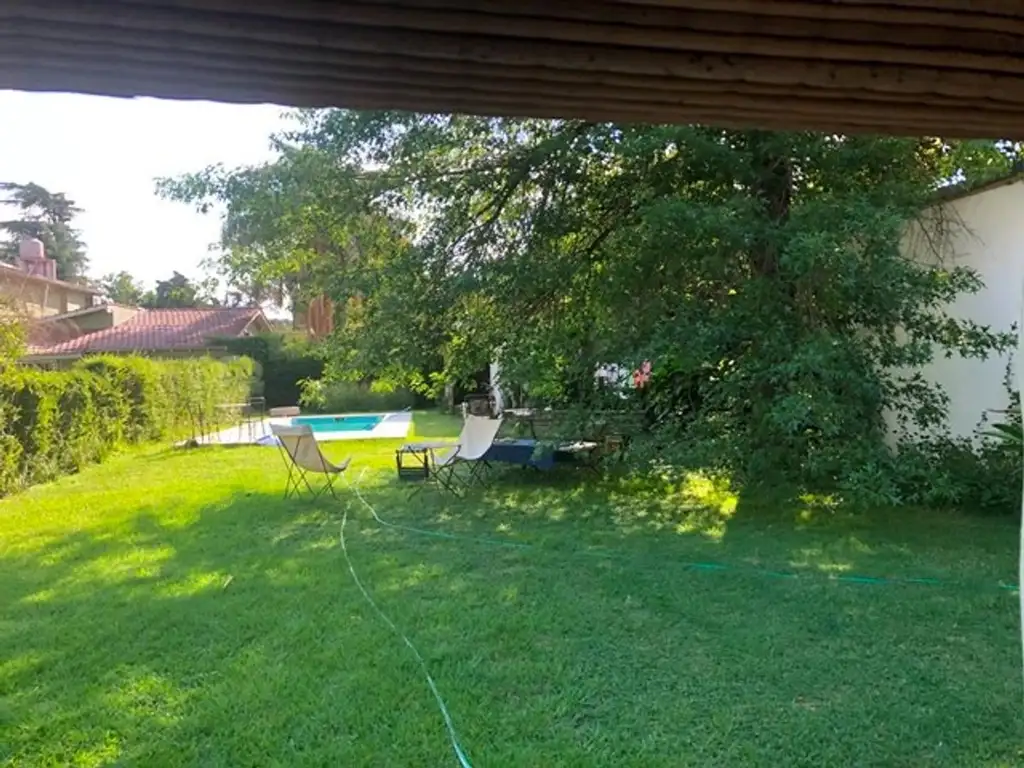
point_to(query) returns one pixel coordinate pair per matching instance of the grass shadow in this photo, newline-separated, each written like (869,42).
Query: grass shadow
(207,621)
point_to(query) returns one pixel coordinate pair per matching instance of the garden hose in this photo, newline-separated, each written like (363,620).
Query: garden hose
(460,753)
(702,566)
(608,553)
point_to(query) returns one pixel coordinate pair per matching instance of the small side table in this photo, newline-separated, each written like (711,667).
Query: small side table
(413,460)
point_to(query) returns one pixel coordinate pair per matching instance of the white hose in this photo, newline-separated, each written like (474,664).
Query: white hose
(460,754)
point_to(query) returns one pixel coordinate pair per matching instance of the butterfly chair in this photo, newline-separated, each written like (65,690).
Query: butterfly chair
(476,438)
(302,454)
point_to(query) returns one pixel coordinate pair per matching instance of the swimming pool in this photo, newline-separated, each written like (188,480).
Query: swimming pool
(363,422)
(356,426)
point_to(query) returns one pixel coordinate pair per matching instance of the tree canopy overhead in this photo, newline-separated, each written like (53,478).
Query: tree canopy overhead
(760,272)
(48,217)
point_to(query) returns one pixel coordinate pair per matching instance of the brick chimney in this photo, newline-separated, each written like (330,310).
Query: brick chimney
(32,259)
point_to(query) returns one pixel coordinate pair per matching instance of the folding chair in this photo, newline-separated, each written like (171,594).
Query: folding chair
(302,455)
(475,440)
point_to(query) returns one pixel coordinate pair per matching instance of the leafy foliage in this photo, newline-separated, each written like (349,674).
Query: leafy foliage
(12,332)
(354,397)
(122,288)
(281,363)
(290,227)
(761,273)
(1010,433)
(179,292)
(940,471)
(54,422)
(48,217)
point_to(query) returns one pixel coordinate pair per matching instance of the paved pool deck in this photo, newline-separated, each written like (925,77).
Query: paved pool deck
(394,426)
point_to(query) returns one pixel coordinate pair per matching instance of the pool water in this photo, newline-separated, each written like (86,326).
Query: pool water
(363,423)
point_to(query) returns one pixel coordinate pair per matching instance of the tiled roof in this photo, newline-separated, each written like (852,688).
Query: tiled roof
(155,330)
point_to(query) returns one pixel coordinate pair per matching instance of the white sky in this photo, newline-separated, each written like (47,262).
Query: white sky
(105,153)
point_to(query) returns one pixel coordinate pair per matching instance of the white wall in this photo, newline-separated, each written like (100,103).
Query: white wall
(987,234)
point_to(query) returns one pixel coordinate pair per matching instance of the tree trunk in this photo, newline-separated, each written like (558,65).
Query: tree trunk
(773,188)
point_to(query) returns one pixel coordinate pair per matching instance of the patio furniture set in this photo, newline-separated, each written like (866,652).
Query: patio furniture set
(477,449)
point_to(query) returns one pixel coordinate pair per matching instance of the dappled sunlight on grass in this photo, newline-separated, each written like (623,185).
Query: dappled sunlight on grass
(178,612)
(24,663)
(104,753)
(812,506)
(815,558)
(135,563)
(407,577)
(689,504)
(194,584)
(510,594)
(835,556)
(42,596)
(147,695)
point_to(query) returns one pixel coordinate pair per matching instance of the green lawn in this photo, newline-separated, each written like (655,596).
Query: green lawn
(169,608)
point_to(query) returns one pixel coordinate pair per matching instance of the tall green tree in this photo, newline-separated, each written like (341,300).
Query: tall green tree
(283,221)
(760,272)
(122,288)
(179,292)
(48,217)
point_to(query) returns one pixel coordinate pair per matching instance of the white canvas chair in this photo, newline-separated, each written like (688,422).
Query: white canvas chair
(476,438)
(302,455)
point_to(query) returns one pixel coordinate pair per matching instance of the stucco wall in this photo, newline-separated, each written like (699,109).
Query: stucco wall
(986,232)
(39,299)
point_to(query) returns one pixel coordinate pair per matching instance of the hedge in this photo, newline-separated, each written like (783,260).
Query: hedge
(56,422)
(352,397)
(282,361)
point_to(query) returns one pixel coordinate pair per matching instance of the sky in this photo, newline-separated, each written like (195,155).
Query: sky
(104,153)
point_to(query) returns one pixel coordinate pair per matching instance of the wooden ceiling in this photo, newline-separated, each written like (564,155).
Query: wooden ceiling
(945,67)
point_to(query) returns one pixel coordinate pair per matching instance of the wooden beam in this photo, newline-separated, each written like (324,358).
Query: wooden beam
(83,57)
(690,32)
(811,72)
(200,83)
(16,47)
(937,12)
(922,66)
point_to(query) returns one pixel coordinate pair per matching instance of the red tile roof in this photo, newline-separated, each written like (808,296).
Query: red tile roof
(156,330)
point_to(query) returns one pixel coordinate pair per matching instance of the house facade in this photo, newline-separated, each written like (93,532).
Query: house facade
(67,321)
(981,229)
(32,287)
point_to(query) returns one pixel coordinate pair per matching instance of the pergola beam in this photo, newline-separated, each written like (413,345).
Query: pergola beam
(944,67)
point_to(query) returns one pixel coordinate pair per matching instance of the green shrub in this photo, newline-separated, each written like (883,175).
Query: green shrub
(10,448)
(80,439)
(34,419)
(138,380)
(349,397)
(979,474)
(281,363)
(54,422)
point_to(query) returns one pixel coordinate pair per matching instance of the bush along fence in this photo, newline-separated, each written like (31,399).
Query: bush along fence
(281,362)
(56,422)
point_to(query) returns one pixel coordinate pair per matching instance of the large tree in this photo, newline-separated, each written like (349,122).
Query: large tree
(282,221)
(48,217)
(122,288)
(761,272)
(179,292)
